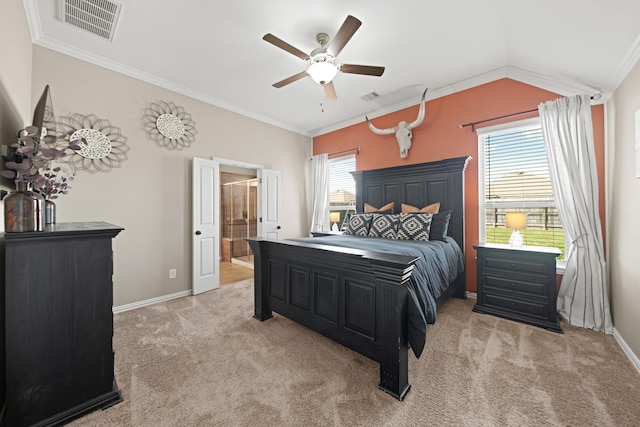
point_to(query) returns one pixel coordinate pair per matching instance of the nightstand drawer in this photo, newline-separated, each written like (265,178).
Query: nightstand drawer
(538,287)
(514,263)
(529,308)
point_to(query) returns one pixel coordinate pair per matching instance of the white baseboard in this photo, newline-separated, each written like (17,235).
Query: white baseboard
(472,295)
(627,350)
(151,301)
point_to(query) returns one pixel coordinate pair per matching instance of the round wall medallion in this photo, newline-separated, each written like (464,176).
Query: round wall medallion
(104,148)
(170,126)
(98,144)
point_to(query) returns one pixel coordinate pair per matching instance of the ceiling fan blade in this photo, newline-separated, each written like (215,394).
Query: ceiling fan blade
(291,79)
(368,70)
(344,34)
(330,91)
(285,46)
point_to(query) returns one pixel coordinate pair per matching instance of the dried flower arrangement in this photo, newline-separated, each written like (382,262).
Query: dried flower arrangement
(31,162)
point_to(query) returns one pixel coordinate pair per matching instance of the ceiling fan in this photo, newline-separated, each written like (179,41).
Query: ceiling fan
(323,67)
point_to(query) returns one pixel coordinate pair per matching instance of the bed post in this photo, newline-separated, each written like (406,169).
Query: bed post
(262,309)
(392,326)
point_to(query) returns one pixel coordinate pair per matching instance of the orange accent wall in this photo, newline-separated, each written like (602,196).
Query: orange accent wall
(439,137)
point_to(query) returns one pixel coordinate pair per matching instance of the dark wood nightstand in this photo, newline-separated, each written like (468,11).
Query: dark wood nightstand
(518,283)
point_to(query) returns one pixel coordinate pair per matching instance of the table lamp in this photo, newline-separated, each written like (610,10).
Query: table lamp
(334,218)
(516,221)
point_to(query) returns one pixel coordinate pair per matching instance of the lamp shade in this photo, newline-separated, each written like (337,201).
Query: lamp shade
(335,216)
(516,220)
(322,72)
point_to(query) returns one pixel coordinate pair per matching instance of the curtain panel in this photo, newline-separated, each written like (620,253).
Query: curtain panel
(583,297)
(320,193)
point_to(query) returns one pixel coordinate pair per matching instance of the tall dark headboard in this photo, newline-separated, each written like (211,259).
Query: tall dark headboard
(417,185)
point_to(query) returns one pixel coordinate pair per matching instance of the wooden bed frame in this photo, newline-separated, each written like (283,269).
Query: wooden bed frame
(359,298)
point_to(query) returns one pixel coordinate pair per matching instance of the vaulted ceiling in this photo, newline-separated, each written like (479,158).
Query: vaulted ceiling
(213,50)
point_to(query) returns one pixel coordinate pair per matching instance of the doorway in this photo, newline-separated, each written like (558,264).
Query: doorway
(238,220)
(254,211)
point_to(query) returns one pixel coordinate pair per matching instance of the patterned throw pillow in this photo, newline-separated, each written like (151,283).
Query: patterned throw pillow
(358,224)
(433,208)
(387,209)
(384,225)
(440,225)
(414,226)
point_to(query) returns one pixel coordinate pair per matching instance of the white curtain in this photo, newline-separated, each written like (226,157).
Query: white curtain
(320,193)
(583,298)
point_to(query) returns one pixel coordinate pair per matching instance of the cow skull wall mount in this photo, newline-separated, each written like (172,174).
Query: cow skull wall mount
(403,129)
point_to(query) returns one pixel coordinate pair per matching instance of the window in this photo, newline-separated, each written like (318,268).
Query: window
(342,187)
(514,177)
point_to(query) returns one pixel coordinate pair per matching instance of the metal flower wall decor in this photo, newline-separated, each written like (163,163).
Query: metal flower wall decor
(169,125)
(105,148)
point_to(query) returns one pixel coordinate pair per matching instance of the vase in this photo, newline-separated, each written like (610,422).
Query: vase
(49,211)
(24,210)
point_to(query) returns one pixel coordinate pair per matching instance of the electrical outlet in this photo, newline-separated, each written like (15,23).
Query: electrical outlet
(172,273)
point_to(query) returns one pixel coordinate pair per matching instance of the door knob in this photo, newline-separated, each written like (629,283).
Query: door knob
(278,228)
(198,233)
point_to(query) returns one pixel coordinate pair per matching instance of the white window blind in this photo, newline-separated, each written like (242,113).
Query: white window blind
(514,177)
(342,187)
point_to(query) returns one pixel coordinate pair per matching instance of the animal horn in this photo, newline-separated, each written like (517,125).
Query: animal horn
(388,131)
(420,118)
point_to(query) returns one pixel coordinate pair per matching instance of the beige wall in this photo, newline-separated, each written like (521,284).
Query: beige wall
(15,77)
(150,195)
(624,202)
(15,61)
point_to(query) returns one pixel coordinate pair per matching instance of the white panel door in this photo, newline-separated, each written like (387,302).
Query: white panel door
(270,183)
(206,229)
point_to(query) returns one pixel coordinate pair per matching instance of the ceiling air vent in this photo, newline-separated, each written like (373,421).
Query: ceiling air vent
(96,16)
(370,96)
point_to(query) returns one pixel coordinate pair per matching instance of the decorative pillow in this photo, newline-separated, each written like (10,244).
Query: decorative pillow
(439,225)
(414,226)
(432,209)
(388,208)
(359,224)
(384,225)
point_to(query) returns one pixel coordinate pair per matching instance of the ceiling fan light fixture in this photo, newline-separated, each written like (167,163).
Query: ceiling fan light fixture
(322,72)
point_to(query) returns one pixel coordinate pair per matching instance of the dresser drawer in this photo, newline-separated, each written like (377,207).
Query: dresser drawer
(513,263)
(538,285)
(537,309)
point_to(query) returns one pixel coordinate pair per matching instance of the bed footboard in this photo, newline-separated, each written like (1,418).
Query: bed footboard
(354,297)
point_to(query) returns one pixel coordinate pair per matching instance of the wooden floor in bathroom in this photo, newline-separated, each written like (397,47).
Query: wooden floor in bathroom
(231,273)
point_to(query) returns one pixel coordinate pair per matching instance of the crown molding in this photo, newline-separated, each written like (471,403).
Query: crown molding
(152,79)
(626,65)
(33,19)
(557,85)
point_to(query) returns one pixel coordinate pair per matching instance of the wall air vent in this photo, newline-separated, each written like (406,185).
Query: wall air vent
(370,96)
(95,16)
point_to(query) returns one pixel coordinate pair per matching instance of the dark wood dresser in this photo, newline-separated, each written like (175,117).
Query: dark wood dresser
(518,283)
(57,323)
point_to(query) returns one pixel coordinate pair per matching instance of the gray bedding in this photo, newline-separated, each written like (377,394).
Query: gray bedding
(439,263)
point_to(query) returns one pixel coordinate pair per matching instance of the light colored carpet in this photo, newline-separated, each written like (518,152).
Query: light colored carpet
(204,361)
